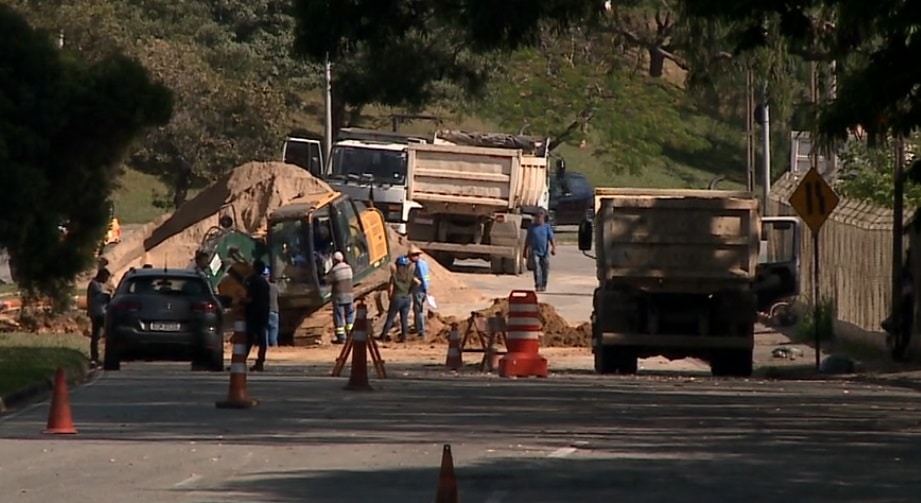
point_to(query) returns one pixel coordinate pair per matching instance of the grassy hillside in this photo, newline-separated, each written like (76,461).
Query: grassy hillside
(645,132)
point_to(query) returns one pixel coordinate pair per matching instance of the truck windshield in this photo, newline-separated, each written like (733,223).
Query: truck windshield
(386,166)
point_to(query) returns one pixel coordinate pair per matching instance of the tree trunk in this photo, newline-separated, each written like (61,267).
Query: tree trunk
(182,183)
(656,62)
(339,108)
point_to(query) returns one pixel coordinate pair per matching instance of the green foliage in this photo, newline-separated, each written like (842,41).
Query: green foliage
(415,53)
(874,43)
(65,126)
(227,62)
(824,316)
(639,124)
(29,358)
(867,174)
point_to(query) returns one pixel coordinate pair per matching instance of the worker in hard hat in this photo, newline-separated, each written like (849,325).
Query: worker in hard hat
(402,282)
(420,293)
(340,280)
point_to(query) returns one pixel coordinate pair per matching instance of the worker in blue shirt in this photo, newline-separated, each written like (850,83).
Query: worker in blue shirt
(421,289)
(538,248)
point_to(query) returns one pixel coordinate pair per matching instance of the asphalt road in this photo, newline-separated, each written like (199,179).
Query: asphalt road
(151,433)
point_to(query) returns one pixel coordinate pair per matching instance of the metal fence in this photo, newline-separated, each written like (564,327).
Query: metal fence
(855,257)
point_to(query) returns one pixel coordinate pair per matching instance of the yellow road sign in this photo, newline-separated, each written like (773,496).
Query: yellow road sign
(814,200)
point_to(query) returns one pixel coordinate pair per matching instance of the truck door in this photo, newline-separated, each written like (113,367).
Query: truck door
(778,274)
(350,237)
(304,153)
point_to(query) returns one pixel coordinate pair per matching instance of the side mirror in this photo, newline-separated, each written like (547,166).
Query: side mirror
(586,235)
(225,300)
(560,168)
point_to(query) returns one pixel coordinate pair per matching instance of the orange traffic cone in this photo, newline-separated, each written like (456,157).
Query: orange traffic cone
(60,421)
(454,359)
(238,395)
(358,376)
(447,482)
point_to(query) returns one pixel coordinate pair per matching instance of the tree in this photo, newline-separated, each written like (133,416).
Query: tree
(867,173)
(408,52)
(65,126)
(234,96)
(650,25)
(217,125)
(874,44)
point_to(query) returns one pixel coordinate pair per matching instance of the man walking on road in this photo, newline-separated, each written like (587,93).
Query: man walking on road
(96,300)
(538,247)
(402,282)
(271,331)
(340,279)
(257,313)
(420,291)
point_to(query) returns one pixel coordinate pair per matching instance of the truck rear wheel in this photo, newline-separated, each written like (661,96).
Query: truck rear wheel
(615,360)
(732,363)
(513,265)
(496,264)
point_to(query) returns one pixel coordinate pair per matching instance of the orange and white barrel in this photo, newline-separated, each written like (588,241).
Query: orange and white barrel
(523,332)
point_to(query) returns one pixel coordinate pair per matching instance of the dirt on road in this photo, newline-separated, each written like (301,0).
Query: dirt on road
(557,332)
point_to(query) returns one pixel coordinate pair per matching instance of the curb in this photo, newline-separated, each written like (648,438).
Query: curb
(39,391)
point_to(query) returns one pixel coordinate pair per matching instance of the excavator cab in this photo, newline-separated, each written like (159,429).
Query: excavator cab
(304,234)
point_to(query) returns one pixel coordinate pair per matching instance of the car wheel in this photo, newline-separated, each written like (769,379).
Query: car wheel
(111,361)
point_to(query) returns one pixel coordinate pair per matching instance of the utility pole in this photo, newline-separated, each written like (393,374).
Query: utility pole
(814,97)
(831,90)
(765,144)
(328,104)
(749,130)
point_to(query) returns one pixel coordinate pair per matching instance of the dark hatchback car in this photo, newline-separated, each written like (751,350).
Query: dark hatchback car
(164,314)
(571,196)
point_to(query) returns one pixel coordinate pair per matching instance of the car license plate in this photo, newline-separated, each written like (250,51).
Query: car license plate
(158,326)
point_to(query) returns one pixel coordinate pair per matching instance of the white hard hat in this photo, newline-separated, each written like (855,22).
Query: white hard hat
(338,256)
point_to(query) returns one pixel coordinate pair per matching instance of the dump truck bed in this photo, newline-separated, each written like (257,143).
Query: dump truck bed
(473,180)
(676,240)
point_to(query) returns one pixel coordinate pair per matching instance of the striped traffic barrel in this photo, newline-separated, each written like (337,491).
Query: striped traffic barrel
(523,331)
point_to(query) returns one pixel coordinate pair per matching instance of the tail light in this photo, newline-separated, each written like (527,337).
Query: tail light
(204,307)
(127,305)
(499,218)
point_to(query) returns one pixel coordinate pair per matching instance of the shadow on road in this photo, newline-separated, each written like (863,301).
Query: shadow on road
(658,474)
(725,440)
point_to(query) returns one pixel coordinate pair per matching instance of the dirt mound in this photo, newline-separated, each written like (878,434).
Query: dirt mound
(557,332)
(248,193)
(42,321)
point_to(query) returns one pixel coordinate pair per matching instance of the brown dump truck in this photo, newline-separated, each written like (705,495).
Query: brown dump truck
(680,273)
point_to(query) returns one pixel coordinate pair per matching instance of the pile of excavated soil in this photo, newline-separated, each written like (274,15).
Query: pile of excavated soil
(557,332)
(253,189)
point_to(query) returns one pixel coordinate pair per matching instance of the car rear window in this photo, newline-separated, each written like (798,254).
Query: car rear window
(172,286)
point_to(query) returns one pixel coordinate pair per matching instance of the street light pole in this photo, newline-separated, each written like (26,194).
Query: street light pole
(765,144)
(328,104)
